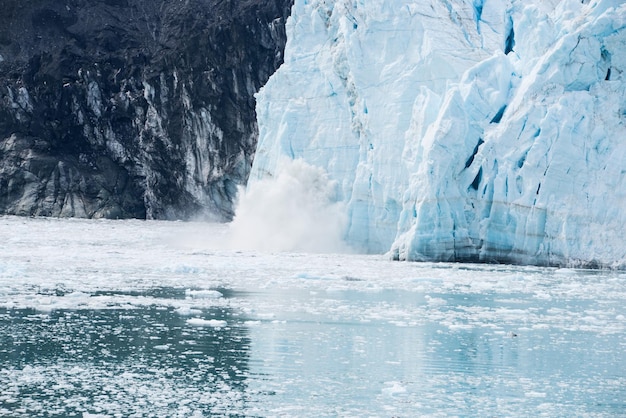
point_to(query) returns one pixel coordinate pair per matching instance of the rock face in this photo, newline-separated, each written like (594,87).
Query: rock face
(132,108)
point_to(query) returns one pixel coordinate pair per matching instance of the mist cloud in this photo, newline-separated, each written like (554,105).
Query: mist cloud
(296,210)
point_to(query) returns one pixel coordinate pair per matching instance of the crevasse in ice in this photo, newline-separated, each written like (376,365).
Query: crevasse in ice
(483,130)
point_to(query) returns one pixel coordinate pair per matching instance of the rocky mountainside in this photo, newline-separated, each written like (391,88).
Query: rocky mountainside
(132,108)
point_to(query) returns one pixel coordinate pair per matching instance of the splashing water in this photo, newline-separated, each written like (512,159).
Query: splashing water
(296,210)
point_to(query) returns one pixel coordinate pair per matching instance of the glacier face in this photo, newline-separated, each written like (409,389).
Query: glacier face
(457,130)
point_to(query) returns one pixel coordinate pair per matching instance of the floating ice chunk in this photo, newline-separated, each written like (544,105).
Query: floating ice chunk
(213,323)
(433,301)
(266,316)
(534,394)
(203,294)
(393,388)
(187,311)
(192,353)
(78,295)
(162,347)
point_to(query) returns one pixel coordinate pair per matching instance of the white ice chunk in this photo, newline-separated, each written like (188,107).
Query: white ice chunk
(203,294)
(212,323)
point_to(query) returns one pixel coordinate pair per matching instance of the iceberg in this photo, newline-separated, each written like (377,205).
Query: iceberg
(458,130)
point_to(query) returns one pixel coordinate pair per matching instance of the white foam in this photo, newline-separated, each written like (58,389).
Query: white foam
(294,210)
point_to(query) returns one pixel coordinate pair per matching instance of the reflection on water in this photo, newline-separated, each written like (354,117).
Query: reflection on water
(138,362)
(448,354)
(315,351)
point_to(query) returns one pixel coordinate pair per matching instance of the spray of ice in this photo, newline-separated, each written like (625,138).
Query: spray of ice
(295,210)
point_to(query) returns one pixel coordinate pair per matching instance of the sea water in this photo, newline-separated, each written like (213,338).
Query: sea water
(135,318)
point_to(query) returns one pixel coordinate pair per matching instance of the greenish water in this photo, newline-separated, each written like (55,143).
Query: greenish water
(153,361)
(115,319)
(147,360)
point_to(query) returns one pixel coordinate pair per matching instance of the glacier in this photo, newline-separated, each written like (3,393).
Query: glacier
(458,130)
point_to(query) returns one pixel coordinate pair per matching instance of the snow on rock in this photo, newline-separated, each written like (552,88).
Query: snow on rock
(460,130)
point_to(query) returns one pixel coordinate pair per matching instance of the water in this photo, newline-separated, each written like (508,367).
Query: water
(103,318)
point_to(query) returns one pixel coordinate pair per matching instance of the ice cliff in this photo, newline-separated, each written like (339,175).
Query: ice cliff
(460,130)
(131,108)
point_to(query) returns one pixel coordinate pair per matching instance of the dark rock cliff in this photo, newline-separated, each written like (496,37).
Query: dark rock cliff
(131,108)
